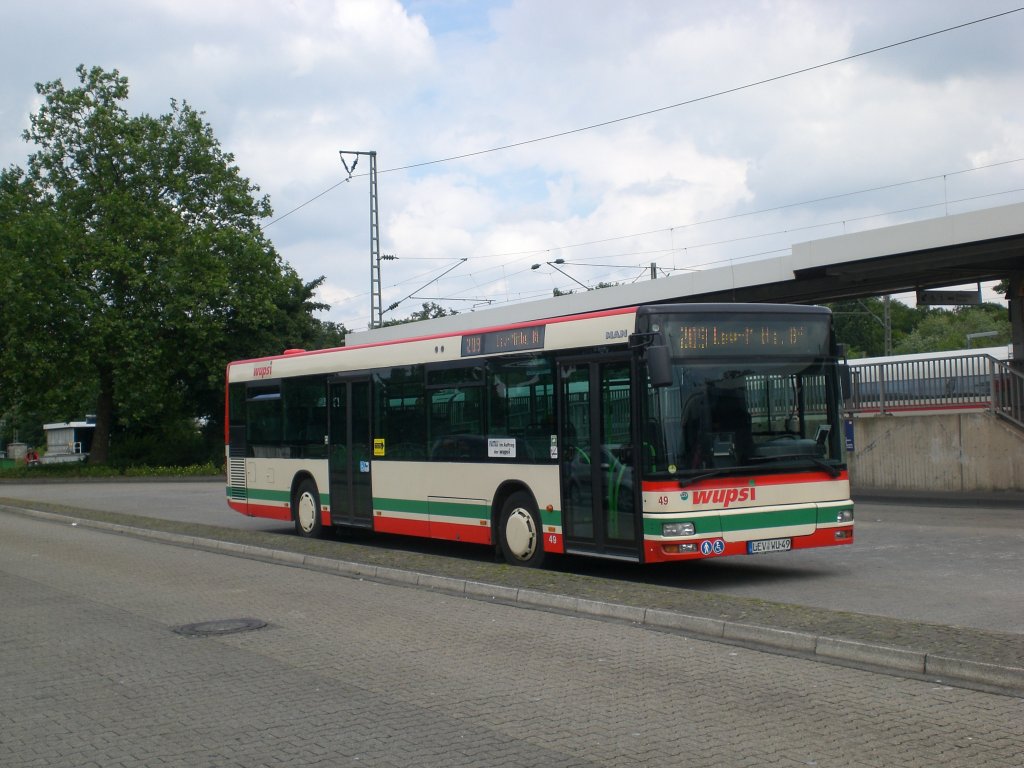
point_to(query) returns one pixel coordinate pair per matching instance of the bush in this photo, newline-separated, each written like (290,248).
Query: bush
(86,471)
(178,444)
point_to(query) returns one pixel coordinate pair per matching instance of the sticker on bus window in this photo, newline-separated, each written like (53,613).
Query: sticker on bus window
(501,447)
(378,446)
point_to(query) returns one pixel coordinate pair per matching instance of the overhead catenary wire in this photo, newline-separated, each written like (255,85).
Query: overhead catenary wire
(656,110)
(709,244)
(514,297)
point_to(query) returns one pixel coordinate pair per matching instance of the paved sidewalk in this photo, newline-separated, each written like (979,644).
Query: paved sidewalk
(356,672)
(962,656)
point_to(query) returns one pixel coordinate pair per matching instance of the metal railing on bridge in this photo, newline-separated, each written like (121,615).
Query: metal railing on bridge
(921,383)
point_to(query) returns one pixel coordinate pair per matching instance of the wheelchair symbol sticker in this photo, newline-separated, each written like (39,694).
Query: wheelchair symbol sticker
(715,546)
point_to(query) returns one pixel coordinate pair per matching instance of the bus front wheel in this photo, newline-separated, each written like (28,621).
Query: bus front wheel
(306,510)
(520,532)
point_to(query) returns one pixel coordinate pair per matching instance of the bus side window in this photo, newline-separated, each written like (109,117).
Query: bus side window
(521,404)
(400,414)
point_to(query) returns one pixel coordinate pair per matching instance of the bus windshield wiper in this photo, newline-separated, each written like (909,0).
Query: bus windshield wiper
(820,463)
(685,481)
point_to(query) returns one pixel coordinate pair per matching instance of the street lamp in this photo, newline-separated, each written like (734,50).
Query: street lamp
(553,265)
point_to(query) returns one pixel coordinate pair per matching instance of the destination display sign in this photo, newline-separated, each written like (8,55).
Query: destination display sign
(746,335)
(496,342)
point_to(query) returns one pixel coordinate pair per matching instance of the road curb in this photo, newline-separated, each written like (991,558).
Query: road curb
(897,659)
(905,662)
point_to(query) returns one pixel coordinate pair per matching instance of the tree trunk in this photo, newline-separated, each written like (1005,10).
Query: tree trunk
(100,452)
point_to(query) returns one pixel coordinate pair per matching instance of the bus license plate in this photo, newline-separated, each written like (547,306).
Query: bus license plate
(769,545)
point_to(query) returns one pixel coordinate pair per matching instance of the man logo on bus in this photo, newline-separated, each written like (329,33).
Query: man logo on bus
(262,371)
(724,496)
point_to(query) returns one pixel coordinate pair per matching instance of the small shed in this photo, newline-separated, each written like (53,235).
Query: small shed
(68,441)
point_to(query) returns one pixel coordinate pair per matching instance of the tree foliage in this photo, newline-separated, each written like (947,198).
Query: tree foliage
(429,311)
(860,324)
(943,330)
(134,266)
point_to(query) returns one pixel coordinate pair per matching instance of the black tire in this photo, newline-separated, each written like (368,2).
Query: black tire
(520,534)
(306,510)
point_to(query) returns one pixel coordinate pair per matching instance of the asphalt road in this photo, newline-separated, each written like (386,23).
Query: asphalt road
(350,672)
(957,566)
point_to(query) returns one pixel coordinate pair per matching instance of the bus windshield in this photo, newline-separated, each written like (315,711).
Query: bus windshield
(730,416)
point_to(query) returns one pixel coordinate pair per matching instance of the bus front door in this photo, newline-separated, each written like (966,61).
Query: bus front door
(598,490)
(350,448)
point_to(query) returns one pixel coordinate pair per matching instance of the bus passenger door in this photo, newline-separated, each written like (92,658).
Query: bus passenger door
(350,448)
(599,497)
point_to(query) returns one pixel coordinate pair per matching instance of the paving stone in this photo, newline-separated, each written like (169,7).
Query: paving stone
(362,672)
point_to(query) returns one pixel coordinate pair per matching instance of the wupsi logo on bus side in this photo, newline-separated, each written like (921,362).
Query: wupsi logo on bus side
(723,497)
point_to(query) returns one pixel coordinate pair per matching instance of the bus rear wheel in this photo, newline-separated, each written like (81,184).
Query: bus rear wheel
(519,531)
(306,510)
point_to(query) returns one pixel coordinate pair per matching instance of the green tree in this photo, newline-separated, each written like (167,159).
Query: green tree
(860,324)
(429,311)
(559,292)
(134,267)
(945,329)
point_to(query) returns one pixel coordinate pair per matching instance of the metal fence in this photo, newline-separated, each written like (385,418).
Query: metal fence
(1008,393)
(977,381)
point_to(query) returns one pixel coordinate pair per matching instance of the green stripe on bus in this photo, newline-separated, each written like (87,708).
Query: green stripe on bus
(408,506)
(742,521)
(777,519)
(552,518)
(479,511)
(470,511)
(827,513)
(236,493)
(263,494)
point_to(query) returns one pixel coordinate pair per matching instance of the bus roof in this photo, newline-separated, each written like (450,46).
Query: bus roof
(431,341)
(547,310)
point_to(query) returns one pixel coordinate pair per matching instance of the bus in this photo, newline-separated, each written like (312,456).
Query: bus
(645,434)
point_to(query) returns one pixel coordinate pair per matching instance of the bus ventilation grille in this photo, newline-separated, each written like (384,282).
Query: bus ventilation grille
(236,480)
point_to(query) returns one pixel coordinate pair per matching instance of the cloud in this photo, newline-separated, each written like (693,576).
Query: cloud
(287,85)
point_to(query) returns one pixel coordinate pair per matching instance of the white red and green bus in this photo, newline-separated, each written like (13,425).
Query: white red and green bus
(647,434)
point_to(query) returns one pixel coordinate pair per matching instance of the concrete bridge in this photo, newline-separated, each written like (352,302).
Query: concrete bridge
(949,422)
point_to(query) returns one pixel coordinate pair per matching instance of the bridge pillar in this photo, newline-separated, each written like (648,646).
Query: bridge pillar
(1015,297)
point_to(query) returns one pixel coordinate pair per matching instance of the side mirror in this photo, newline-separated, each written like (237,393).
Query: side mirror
(659,365)
(845,381)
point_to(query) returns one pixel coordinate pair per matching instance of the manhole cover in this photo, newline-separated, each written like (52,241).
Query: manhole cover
(219,627)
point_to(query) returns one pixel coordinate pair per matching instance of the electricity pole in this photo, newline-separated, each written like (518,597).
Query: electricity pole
(375,298)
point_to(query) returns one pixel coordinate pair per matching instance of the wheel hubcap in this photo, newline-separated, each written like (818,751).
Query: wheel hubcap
(307,512)
(521,534)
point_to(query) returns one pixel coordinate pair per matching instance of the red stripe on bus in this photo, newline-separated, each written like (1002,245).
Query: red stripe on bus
(733,481)
(468,331)
(823,537)
(470,533)
(554,543)
(239,506)
(400,525)
(269,512)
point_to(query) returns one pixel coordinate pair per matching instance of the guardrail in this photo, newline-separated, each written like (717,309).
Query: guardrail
(971,381)
(1008,396)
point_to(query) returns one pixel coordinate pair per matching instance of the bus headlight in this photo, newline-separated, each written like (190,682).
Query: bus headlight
(677,529)
(844,516)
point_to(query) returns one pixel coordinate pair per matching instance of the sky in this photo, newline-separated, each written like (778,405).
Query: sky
(721,139)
